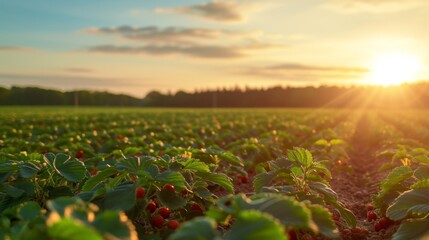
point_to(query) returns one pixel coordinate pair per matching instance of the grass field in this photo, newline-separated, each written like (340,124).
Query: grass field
(129,173)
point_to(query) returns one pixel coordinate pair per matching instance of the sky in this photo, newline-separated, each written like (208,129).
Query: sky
(136,46)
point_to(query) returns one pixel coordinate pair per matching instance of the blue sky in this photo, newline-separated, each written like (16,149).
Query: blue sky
(136,46)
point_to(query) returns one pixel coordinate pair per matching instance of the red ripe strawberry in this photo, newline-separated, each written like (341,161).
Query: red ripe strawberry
(151,207)
(377,227)
(292,235)
(169,187)
(184,192)
(196,207)
(79,153)
(371,216)
(383,223)
(165,212)
(173,224)
(359,230)
(243,179)
(369,207)
(336,217)
(140,193)
(94,172)
(157,221)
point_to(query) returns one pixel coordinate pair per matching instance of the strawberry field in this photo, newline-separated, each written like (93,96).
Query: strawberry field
(93,173)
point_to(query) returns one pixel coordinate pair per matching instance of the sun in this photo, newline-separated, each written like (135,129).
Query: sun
(394,69)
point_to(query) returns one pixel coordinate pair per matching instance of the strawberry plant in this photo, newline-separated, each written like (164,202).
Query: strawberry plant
(404,195)
(267,215)
(65,218)
(300,176)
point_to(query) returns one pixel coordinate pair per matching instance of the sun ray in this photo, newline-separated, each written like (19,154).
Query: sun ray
(394,69)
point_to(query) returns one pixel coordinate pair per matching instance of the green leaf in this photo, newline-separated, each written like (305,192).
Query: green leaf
(285,189)
(112,223)
(11,190)
(71,169)
(421,159)
(396,176)
(255,225)
(132,150)
(67,229)
(220,179)
(170,199)
(421,184)
(386,166)
(98,178)
(263,179)
(231,158)
(323,219)
(29,211)
(345,213)
(195,165)
(416,201)
(200,228)
(324,189)
(400,155)
(174,178)
(5,176)
(121,198)
(134,164)
(290,212)
(151,169)
(9,167)
(322,143)
(28,169)
(27,187)
(61,203)
(413,229)
(320,168)
(296,171)
(202,192)
(60,191)
(49,158)
(422,172)
(300,155)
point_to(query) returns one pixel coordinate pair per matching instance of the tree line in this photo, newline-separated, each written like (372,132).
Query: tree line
(415,95)
(40,96)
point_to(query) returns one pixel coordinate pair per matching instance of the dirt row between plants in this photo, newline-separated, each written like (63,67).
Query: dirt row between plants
(356,188)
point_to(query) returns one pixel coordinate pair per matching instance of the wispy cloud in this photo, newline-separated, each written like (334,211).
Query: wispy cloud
(193,42)
(15,49)
(194,50)
(168,34)
(301,72)
(216,10)
(374,6)
(78,70)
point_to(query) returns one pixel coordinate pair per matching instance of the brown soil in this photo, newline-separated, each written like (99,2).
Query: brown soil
(356,188)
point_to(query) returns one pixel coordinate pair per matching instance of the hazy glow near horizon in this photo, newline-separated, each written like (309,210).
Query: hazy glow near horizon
(134,47)
(395,69)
